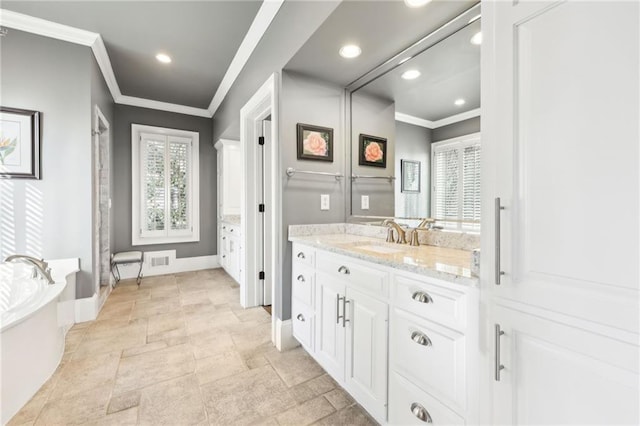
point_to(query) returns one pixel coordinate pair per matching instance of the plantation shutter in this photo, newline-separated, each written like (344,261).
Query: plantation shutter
(153,183)
(445,183)
(471,186)
(179,154)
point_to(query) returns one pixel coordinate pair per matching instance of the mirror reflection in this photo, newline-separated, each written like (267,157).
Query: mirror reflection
(415,142)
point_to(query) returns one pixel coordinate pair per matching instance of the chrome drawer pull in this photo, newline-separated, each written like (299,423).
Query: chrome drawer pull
(421,413)
(224,238)
(301,255)
(498,270)
(301,278)
(338,316)
(344,270)
(421,338)
(422,297)
(498,365)
(300,317)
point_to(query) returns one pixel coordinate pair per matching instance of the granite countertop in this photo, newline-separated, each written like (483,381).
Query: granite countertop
(438,262)
(233,219)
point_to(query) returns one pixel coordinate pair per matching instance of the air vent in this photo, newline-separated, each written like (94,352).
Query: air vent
(159,261)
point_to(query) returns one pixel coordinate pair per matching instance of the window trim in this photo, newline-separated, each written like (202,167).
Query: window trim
(459,143)
(137,237)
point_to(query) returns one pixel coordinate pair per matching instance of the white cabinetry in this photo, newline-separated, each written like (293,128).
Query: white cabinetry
(229,177)
(231,259)
(560,150)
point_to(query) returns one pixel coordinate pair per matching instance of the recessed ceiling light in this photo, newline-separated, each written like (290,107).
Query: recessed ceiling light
(459,102)
(411,74)
(416,3)
(477,38)
(350,51)
(404,60)
(164,58)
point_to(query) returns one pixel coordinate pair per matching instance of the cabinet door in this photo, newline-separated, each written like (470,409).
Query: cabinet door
(330,333)
(234,258)
(366,354)
(558,374)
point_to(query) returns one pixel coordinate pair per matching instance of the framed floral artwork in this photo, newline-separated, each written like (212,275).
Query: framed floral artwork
(19,143)
(315,143)
(373,151)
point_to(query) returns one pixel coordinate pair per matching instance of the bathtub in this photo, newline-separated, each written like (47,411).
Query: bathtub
(34,318)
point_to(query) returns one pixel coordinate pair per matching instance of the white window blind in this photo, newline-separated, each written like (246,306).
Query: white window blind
(165,186)
(456,183)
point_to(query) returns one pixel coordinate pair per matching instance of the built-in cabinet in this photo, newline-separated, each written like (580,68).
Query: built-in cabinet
(560,212)
(232,250)
(396,341)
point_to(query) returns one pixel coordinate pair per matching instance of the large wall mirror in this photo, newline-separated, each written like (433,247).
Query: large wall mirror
(415,142)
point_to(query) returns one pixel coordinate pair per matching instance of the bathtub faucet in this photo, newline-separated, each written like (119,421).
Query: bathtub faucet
(40,266)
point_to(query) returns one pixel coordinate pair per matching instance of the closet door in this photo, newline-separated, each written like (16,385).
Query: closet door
(560,208)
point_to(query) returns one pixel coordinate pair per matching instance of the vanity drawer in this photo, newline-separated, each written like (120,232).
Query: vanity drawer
(429,355)
(303,255)
(302,318)
(407,402)
(303,284)
(442,304)
(367,278)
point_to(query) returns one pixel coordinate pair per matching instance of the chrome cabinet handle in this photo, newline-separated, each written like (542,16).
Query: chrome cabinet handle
(422,297)
(338,316)
(421,413)
(498,270)
(344,270)
(301,278)
(231,230)
(300,317)
(301,255)
(344,311)
(224,255)
(224,238)
(421,338)
(498,366)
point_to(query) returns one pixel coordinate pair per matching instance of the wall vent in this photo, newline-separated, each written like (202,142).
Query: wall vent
(159,261)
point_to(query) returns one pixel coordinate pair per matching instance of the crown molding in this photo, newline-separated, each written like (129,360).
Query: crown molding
(268,11)
(30,24)
(104,63)
(410,119)
(162,106)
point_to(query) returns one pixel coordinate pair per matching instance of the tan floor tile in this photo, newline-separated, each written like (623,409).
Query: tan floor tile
(353,416)
(339,399)
(125,417)
(152,367)
(149,308)
(103,339)
(209,343)
(294,366)
(306,413)
(313,388)
(30,411)
(83,374)
(124,401)
(176,402)
(149,347)
(116,309)
(81,408)
(198,323)
(260,389)
(219,366)
(168,336)
(165,322)
(258,315)
(248,339)
(195,298)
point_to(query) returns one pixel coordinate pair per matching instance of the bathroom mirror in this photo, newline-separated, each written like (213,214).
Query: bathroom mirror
(428,93)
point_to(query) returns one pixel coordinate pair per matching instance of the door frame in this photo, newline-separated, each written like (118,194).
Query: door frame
(262,104)
(99,122)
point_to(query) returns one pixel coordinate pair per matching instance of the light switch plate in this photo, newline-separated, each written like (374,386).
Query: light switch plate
(364,202)
(325,202)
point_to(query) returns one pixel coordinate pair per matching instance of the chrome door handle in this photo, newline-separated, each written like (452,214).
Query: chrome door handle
(344,311)
(338,316)
(498,365)
(301,255)
(421,338)
(422,297)
(421,413)
(344,270)
(498,271)
(301,278)
(300,317)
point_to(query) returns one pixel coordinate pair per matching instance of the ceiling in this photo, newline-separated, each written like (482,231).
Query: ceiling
(202,38)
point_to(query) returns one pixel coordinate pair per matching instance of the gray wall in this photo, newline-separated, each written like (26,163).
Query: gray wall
(308,101)
(375,117)
(51,217)
(290,29)
(413,143)
(124,117)
(461,128)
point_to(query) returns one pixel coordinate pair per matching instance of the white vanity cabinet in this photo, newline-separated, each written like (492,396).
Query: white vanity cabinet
(398,342)
(231,259)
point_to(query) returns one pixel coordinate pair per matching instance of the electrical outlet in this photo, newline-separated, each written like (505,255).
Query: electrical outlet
(364,202)
(325,201)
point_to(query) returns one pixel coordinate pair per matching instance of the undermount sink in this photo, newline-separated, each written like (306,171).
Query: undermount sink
(380,249)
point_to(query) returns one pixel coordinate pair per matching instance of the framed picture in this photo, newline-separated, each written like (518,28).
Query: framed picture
(315,143)
(373,151)
(410,176)
(19,143)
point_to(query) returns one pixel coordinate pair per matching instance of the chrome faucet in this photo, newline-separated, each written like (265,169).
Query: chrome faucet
(40,267)
(426,223)
(393,225)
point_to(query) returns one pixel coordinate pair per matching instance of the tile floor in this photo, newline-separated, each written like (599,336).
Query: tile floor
(181,350)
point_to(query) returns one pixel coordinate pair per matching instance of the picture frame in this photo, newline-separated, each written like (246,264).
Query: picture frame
(19,143)
(410,182)
(372,151)
(314,142)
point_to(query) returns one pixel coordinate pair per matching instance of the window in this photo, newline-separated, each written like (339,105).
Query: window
(165,185)
(456,182)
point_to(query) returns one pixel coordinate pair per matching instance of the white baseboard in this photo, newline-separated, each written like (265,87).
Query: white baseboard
(184,264)
(284,335)
(87,309)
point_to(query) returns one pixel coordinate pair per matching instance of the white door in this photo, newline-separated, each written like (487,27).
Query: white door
(266,282)
(560,134)
(366,351)
(330,328)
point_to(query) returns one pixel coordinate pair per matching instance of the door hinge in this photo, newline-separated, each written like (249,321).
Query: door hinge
(261,275)
(260,140)
(261,208)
